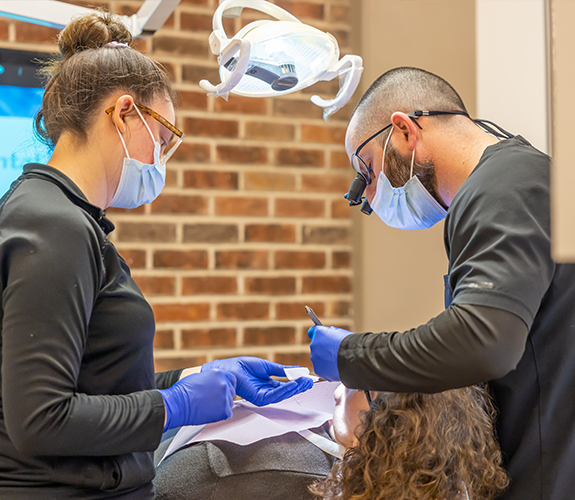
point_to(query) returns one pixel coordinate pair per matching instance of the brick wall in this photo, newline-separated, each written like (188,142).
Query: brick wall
(252,225)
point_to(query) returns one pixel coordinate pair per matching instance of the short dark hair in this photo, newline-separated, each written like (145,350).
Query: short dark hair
(406,89)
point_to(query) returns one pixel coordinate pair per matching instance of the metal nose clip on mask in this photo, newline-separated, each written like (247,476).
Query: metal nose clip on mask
(270,58)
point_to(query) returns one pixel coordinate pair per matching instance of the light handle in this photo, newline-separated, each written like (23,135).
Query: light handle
(349,69)
(241,66)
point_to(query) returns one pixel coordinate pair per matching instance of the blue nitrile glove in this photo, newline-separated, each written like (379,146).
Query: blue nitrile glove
(199,398)
(253,379)
(324,345)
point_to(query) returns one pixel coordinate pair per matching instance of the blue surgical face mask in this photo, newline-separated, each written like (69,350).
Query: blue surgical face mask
(409,207)
(140,183)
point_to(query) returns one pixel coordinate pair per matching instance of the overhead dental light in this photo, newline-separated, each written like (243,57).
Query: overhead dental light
(270,58)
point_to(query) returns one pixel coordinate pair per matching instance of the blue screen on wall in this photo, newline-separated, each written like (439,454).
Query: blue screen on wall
(21,94)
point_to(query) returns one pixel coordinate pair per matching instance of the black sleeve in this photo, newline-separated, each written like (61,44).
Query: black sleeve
(463,345)
(497,238)
(168,379)
(51,271)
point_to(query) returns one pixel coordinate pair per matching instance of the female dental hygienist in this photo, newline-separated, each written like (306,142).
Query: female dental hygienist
(82,410)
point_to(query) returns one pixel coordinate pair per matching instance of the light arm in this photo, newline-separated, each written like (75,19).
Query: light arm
(151,16)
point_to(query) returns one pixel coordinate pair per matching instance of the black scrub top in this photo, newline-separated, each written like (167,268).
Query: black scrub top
(79,414)
(511,321)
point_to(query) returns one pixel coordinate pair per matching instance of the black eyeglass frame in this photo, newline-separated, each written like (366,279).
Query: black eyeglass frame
(414,115)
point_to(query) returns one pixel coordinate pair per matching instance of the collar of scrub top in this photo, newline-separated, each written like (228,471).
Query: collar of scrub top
(269,58)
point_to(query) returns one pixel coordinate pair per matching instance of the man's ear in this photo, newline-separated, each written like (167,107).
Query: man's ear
(123,105)
(406,140)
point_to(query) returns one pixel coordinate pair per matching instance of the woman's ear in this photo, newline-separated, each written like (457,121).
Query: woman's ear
(123,105)
(406,140)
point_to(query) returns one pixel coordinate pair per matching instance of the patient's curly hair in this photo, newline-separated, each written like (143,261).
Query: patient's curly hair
(416,446)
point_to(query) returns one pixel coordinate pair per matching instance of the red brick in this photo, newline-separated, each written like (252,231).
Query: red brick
(341,308)
(340,209)
(269,336)
(242,259)
(326,235)
(270,286)
(298,359)
(198,127)
(339,13)
(126,10)
(210,233)
(209,285)
(243,311)
(269,131)
(326,284)
(261,181)
(208,337)
(192,153)
(296,109)
(34,33)
(273,233)
(169,68)
(171,179)
(176,204)
(164,339)
(166,364)
(193,100)
(146,232)
(142,46)
(181,312)
(240,104)
(134,258)
(342,37)
(112,211)
(293,207)
(195,22)
(155,285)
(300,157)
(179,45)
(210,179)
(302,9)
(4,30)
(326,89)
(241,154)
(299,260)
(296,310)
(339,159)
(241,206)
(341,260)
(326,183)
(192,259)
(323,134)
(194,73)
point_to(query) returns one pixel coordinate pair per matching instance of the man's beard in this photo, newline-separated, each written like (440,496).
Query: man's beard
(398,170)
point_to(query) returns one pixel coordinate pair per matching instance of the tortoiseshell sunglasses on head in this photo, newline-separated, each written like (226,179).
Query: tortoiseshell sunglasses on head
(173,144)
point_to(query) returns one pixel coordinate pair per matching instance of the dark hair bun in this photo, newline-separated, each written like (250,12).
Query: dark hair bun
(92,31)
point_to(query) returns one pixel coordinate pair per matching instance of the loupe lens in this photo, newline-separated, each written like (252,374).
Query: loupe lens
(356,190)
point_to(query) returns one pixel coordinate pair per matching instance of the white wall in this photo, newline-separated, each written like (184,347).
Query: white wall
(511,67)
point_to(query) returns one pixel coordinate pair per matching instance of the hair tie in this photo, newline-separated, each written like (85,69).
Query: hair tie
(116,44)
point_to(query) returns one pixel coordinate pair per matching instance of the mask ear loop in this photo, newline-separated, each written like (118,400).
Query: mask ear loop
(146,124)
(384,150)
(412,161)
(123,142)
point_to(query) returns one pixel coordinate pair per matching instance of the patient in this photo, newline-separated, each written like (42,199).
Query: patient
(419,446)
(416,446)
